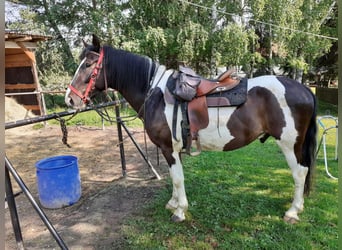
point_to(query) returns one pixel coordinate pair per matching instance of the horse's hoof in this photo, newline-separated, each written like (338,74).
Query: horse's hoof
(175,218)
(290,220)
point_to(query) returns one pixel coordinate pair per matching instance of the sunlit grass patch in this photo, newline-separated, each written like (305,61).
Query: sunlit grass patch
(237,201)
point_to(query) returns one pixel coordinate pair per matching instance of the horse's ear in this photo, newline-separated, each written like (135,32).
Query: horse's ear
(85,44)
(96,42)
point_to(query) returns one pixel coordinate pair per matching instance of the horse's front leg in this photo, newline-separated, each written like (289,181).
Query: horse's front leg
(178,202)
(173,202)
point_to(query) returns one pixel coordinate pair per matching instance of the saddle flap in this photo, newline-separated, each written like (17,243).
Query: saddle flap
(198,115)
(192,81)
(186,87)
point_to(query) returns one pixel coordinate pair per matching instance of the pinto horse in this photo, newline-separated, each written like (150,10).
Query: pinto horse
(275,106)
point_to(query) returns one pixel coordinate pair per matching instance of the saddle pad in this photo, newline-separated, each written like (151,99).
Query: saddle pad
(233,97)
(170,86)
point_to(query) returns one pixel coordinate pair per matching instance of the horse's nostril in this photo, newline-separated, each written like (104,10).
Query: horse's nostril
(68,101)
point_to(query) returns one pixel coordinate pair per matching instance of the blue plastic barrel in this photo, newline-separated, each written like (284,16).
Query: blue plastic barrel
(58,181)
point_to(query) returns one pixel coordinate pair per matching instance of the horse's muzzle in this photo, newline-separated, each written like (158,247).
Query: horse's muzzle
(73,101)
(67,99)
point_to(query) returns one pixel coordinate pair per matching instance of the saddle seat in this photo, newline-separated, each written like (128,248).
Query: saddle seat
(206,86)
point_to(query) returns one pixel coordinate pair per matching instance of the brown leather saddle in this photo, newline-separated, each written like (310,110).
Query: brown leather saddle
(197,93)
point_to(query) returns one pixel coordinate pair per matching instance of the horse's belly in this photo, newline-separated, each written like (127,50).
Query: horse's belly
(216,135)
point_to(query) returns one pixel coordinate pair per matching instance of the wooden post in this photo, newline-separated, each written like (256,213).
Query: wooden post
(40,97)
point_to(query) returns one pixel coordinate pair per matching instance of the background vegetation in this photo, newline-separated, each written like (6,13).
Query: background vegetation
(257,36)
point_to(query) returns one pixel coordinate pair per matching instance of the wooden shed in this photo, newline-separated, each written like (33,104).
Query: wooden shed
(21,78)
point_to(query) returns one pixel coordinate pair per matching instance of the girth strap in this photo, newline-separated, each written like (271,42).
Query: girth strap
(174,119)
(187,138)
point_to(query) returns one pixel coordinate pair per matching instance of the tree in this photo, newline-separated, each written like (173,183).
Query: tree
(282,43)
(42,15)
(255,34)
(232,42)
(184,30)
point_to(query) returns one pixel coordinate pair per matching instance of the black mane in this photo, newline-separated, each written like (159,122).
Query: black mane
(124,68)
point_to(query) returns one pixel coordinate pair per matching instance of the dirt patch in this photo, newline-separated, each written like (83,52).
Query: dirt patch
(95,221)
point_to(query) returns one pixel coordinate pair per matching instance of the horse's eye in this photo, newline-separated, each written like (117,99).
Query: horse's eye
(87,65)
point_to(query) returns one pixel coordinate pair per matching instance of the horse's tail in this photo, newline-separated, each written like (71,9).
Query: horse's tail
(309,149)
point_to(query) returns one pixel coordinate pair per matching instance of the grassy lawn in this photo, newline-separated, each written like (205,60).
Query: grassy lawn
(55,104)
(237,201)
(92,118)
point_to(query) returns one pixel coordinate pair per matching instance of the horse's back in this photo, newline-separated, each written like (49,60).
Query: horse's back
(281,86)
(274,106)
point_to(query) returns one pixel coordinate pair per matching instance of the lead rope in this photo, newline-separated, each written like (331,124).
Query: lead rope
(64,129)
(65,132)
(148,94)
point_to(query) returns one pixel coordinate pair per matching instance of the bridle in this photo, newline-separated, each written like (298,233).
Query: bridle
(92,81)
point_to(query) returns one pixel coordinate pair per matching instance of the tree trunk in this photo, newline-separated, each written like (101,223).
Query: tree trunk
(271,53)
(69,64)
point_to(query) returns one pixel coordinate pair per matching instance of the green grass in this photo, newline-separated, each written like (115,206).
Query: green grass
(236,201)
(92,118)
(55,104)
(330,146)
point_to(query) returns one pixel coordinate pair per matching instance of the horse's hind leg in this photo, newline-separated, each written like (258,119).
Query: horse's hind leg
(299,173)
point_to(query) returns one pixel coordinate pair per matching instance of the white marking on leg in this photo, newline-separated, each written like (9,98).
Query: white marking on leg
(172,204)
(178,200)
(286,142)
(299,173)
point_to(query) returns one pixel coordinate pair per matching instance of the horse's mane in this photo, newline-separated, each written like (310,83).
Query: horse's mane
(123,68)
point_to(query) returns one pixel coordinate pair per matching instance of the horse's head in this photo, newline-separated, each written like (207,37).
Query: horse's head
(88,77)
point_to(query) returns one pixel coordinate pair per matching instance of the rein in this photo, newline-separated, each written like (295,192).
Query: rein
(152,84)
(91,84)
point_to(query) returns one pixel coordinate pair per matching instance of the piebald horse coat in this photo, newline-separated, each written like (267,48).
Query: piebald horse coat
(276,106)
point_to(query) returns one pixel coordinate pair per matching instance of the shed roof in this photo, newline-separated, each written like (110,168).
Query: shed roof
(17,36)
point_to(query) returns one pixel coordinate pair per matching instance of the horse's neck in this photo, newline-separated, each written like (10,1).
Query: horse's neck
(133,89)
(135,97)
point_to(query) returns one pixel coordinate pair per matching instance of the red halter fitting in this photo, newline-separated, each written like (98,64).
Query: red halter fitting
(91,84)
